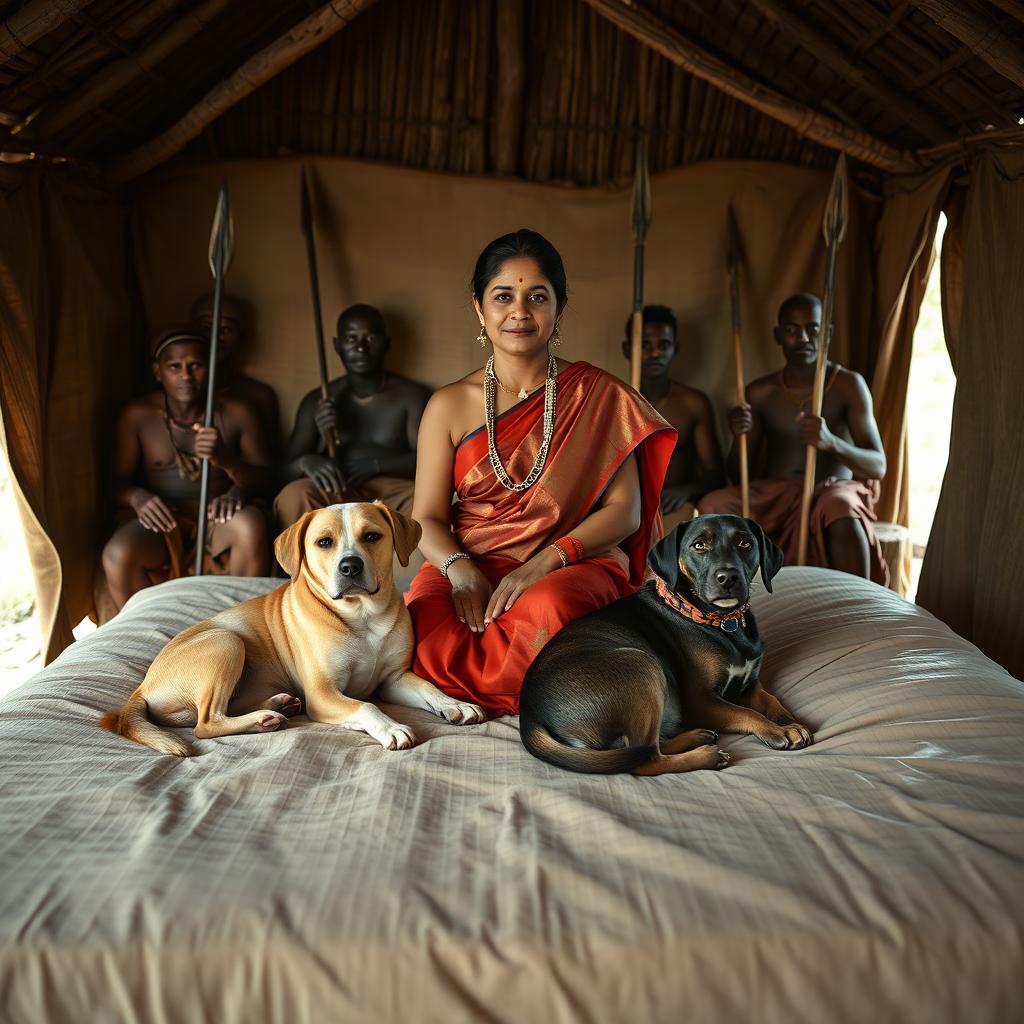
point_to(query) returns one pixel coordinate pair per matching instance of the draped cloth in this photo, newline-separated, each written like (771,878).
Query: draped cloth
(599,423)
(775,504)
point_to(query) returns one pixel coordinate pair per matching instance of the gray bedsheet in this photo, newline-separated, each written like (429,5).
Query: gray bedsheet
(309,875)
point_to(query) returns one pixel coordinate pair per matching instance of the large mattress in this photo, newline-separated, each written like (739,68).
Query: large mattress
(309,875)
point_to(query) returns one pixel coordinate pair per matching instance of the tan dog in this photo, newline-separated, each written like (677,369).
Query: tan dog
(336,634)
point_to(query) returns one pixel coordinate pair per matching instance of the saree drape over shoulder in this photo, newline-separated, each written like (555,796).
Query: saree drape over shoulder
(599,423)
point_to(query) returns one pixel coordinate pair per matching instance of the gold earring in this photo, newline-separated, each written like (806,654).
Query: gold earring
(556,337)
(482,336)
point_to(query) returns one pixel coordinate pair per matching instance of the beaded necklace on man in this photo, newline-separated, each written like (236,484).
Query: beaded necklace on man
(550,394)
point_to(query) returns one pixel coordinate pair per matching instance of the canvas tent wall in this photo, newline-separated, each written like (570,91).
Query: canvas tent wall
(500,113)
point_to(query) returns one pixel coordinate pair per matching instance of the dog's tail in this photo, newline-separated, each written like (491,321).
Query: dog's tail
(132,722)
(541,743)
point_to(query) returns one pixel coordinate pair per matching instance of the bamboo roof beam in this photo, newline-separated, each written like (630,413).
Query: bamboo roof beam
(508,121)
(116,77)
(307,35)
(33,21)
(1014,8)
(672,45)
(855,71)
(986,37)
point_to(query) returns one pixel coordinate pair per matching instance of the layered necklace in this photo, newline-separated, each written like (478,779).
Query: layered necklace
(491,384)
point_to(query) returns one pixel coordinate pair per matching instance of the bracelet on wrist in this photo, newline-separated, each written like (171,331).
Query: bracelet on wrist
(560,551)
(443,567)
(571,548)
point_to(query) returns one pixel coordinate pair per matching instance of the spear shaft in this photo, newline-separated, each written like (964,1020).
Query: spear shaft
(641,224)
(314,284)
(737,352)
(834,229)
(220,257)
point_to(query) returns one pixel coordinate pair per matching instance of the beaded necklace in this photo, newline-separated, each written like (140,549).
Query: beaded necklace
(550,394)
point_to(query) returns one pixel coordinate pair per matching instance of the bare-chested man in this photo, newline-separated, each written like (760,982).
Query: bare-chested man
(697,464)
(158,451)
(376,417)
(235,324)
(850,457)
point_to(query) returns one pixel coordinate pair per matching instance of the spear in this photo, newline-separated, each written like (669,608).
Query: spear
(641,224)
(834,228)
(733,261)
(222,244)
(314,283)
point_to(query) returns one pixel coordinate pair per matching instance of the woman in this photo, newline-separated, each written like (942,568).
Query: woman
(558,490)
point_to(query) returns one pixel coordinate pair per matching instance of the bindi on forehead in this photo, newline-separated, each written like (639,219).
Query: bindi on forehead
(520,280)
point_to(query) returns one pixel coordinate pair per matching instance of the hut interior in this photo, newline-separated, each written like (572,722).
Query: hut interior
(428,127)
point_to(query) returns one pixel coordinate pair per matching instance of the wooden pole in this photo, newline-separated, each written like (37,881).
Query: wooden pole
(641,224)
(834,229)
(114,78)
(508,112)
(307,35)
(671,44)
(987,37)
(314,283)
(733,260)
(221,246)
(855,71)
(33,21)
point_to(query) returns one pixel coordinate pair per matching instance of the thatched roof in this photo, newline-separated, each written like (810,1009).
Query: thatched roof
(543,89)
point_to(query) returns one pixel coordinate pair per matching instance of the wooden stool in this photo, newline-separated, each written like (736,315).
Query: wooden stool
(895,541)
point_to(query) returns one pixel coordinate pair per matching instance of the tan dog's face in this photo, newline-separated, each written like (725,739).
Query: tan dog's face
(347,548)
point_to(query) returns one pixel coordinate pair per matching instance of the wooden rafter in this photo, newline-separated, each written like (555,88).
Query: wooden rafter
(116,77)
(270,61)
(985,36)
(32,22)
(672,45)
(508,122)
(857,72)
(1015,8)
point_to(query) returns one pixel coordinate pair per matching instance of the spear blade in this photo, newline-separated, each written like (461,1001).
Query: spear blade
(220,251)
(641,222)
(833,227)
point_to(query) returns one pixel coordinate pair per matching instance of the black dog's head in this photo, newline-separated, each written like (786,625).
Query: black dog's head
(712,559)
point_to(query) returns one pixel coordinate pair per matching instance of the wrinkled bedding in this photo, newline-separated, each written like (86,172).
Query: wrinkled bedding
(309,875)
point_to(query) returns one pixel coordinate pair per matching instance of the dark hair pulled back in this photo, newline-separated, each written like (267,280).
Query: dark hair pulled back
(519,245)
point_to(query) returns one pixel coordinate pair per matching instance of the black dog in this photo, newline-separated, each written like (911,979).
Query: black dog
(638,686)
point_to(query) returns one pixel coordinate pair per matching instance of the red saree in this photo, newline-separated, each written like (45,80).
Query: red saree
(599,422)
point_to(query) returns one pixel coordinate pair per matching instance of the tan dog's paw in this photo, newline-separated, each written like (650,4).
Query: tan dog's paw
(712,756)
(288,704)
(268,721)
(786,737)
(396,737)
(462,713)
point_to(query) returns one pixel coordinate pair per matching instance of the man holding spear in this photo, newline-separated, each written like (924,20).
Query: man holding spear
(849,461)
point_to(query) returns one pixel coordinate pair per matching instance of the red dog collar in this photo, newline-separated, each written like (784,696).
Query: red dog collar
(728,622)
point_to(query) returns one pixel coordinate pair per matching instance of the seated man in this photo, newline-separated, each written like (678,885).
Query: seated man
(161,440)
(231,382)
(696,465)
(850,457)
(375,416)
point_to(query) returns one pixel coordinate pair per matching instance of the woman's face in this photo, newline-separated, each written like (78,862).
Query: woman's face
(519,308)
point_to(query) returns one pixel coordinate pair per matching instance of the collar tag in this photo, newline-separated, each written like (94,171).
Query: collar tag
(729,625)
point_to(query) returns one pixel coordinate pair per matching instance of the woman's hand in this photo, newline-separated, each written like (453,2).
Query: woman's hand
(507,592)
(470,591)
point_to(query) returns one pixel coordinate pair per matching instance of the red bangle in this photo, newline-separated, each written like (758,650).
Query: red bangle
(572,548)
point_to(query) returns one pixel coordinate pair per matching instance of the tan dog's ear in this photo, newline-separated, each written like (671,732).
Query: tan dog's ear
(406,532)
(291,545)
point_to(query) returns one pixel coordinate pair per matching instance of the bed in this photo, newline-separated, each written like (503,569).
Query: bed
(309,875)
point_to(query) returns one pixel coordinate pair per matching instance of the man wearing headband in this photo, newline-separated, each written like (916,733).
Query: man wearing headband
(159,445)
(235,320)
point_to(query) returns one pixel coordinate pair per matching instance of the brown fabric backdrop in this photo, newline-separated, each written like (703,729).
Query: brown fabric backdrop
(64,313)
(971,572)
(407,240)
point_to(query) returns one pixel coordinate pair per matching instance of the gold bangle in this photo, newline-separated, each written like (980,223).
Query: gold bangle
(561,554)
